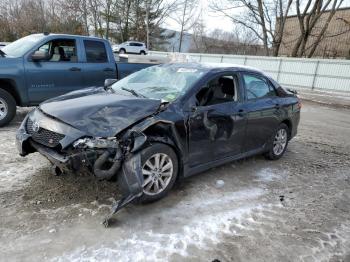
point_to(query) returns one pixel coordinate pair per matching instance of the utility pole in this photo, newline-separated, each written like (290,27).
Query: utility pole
(148,7)
(182,25)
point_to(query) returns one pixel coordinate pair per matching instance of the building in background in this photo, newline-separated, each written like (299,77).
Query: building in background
(335,43)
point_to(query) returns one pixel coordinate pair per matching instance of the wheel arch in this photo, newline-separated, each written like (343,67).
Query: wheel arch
(289,124)
(10,86)
(164,132)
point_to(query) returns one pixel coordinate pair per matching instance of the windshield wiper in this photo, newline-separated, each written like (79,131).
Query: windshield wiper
(132,92)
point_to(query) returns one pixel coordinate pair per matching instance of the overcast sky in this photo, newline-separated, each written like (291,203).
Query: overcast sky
(212,21)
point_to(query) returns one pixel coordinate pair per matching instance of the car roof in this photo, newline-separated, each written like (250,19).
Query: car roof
(217,67)
(131,41)
(69,35)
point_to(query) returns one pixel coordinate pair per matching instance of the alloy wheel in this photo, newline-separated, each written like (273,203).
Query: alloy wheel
(3,109)
(280,142)
(157,172)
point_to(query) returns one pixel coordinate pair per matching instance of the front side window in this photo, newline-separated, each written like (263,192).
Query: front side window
(60,50)
(257,87)
(166,82)
(95,51)
(220,89)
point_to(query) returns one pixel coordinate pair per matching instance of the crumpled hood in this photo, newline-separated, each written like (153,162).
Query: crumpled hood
(99,113)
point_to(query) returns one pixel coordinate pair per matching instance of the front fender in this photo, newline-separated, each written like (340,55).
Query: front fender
(130,181)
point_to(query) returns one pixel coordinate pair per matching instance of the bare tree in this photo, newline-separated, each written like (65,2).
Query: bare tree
(119,20)
(262,17)
(184,16)
(156,12)
(309,19)
(106,13)
(281,10)
(199,35)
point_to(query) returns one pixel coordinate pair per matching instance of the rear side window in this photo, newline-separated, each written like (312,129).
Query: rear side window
(257,87)
(95,51)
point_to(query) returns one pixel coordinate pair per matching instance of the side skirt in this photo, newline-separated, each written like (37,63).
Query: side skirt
(189,171)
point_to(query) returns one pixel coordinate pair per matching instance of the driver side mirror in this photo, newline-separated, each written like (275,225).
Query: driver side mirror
(109,82)
(40,56)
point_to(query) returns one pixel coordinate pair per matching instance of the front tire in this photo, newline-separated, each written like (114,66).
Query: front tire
(7,107)
(279,143)
(122,51)
(159,169)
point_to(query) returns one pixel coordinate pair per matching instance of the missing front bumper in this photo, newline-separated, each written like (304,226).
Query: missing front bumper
(130,177)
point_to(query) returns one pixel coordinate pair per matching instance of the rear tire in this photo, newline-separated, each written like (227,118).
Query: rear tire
(7,107)
(159,168)
(278,143)
(142,53)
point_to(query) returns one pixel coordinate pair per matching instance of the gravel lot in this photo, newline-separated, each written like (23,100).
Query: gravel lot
(294,209)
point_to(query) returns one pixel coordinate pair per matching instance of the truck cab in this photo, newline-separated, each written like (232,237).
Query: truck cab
(42,66)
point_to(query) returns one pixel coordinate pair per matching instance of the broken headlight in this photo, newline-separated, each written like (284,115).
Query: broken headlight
(96,143)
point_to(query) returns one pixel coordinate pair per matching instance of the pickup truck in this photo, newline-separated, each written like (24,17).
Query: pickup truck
(41,66)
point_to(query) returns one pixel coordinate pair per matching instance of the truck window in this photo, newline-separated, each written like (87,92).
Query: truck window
(60,50)
(95,51)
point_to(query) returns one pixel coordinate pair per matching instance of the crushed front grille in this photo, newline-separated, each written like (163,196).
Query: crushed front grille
(42,135)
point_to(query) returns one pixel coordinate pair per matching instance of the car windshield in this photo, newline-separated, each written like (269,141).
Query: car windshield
(160,82)
(22,45)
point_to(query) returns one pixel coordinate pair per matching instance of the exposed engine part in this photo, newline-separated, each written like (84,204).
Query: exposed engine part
(96,143)
(101,173)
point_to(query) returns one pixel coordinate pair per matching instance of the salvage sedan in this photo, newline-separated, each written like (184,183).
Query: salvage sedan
(163,123)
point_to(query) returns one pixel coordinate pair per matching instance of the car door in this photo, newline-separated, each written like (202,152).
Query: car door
(58,74)
(216,125)
(132,47)
(261,108)
(98,65)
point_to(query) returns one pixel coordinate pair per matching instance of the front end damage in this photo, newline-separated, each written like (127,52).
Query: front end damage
(71,150)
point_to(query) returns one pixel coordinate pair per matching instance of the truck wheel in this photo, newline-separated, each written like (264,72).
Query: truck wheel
(159,170)
(122,51)
(7,107)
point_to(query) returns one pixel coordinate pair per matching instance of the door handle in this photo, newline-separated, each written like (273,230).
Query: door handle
(108,69)
(76,69)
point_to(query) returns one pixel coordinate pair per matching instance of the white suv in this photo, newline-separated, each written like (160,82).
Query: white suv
(130,47)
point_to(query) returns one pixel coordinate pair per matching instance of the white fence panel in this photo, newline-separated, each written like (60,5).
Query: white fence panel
(264,64)
(293,80)
(321,74)
(239,60)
